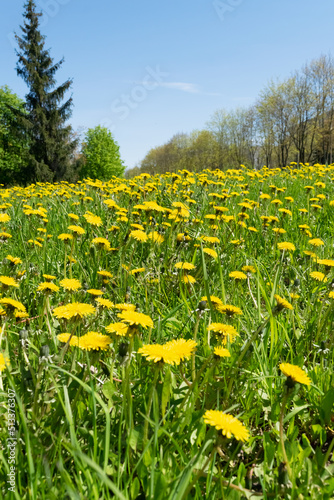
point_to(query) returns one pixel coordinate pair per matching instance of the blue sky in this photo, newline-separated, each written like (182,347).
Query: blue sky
(150,69)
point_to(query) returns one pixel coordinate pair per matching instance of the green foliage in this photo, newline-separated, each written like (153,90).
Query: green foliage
(101,155)
(194,152)
(13,140)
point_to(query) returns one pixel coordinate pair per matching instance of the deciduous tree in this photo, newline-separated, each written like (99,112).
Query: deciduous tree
(101,156)
(14,143)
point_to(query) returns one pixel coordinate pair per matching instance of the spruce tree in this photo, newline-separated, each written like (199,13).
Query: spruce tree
(51,142)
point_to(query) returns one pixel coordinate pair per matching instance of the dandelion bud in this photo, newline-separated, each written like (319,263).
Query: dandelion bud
(123,349)
(202,305)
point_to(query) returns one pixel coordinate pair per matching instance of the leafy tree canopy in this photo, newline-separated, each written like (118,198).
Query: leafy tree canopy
(13,139)
(101,155)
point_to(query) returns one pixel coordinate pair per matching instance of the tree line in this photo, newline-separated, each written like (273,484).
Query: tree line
(37,143)
(291,121)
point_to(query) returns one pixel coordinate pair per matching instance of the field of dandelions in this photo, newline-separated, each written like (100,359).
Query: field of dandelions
(169,337)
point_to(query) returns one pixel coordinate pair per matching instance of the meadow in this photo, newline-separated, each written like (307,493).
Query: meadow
(169,336)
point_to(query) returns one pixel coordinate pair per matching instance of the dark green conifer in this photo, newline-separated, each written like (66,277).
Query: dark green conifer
(51,139)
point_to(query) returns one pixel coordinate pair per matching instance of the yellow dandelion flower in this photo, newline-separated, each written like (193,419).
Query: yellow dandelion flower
(4,362)
(295,373)
(4,218)
(156,237)
(11,305)
(316,242)
(285,245)
(125,307)
(7,281)
(157,352)
(93,220)
(21,314)
(35,242)
(229,425)
(105,274)
(73,310)
(185,265)
(14,260)
(136,318)
(249,269)
(229,310)
(139,235)
(73,216)
(310,254)
(77,230)
(187,278)
(210,252)
(94,341)
(107,304)
(110,203)
(326,262)
(65,237)
(63,337)
(282,303)
(211,239)
(183,237)
(47,286)
(101,243)
(70,284)
(318,276)
(93,291)
(120,329)
(182,348)
(238,275)
(49,277)
(222,352)
(215,301)
(5,236)
(172,352)
(228,331)
(136,271)
(244,204)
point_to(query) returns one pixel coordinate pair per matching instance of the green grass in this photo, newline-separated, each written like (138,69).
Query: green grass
(110,424)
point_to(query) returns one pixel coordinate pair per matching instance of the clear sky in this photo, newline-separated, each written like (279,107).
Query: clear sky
(149,69)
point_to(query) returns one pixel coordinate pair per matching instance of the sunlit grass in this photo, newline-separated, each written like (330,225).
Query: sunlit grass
(133,312)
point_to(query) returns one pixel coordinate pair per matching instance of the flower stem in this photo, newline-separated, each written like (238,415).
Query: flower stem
(193,366)
(149,404)
(285,457)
